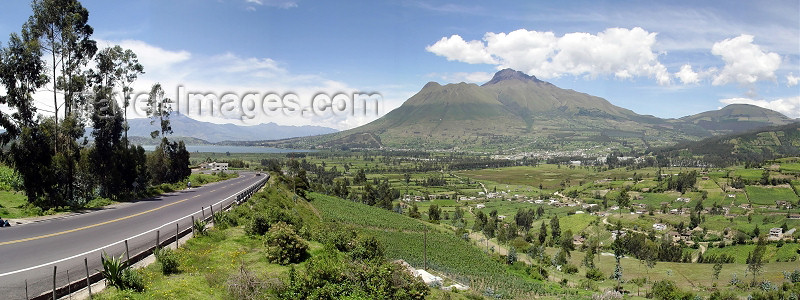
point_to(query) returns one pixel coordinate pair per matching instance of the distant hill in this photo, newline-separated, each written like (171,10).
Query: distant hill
(184,126)
(518,112)
(141,140)
(737,118)
(757,145)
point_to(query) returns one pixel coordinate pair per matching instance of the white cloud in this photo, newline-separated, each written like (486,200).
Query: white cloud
(687,75)
(229,73)
(455,48)
(791,80)
(745,62)
(619,52)
(787,106)
(151,56)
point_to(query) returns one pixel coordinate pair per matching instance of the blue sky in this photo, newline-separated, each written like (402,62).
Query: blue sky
(667,59)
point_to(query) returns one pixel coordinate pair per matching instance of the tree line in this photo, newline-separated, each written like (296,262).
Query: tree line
(53,155)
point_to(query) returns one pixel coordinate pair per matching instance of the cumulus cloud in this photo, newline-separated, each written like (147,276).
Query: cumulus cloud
(687,75)
(745,62)
(455,48)
(791,80)
(790,107)
(619,52)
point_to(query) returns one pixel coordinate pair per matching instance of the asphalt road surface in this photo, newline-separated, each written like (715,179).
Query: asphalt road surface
(29,252)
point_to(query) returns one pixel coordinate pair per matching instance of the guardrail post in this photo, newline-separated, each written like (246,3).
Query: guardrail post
(158,238)
(177,233)
(54,282)
(127,253)
(212,211)
(88,282)
(192,225)
(202,209)
(69,285)
(26,290)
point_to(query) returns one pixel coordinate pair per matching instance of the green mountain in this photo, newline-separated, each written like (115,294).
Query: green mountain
(757,145)
(737,118)
(517,112)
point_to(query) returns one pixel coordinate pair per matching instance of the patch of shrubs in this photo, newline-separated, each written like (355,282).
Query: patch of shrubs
(168,260)
(284,245)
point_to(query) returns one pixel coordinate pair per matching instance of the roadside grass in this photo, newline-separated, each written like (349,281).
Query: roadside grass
(207,264)
(13,205)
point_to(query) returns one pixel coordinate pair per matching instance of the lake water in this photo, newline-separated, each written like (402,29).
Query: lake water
(231,149)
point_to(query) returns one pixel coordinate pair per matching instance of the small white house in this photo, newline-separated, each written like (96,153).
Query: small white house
(480,205)
(215,166)
(659,226)
(776,233)
(428,278)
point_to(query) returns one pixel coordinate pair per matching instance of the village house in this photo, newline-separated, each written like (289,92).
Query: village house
(776,233)
(674,236)
(480,205)
(680,199)
(783,204)
(618,233)
(578,240)
(659,226)
(215,166)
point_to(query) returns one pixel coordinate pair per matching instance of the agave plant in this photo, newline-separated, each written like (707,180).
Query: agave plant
(120,276)
(113,270)
(200,227)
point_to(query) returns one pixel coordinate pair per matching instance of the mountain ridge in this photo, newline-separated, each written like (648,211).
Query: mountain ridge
(211,132)
(518,112)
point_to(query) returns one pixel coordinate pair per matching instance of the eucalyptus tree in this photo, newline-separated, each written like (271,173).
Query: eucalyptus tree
(62,28)
(159,107)
(21,69)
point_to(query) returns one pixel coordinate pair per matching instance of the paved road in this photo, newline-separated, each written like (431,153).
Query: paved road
(26,251)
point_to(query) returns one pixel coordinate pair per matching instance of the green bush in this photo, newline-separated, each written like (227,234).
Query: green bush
(168,260)
(284,245)
(595,274)
(258,226)
(367,248)
(570,269)
(132,280)
(224,219)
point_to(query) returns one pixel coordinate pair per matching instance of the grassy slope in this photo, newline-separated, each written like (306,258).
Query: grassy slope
(447,254)
(207,263)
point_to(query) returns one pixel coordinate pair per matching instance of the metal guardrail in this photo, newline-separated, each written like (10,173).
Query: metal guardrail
(81,277)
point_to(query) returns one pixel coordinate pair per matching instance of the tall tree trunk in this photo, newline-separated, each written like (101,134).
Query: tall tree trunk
(55,101)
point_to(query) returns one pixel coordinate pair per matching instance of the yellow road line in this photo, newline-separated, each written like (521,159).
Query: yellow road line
(94,225)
